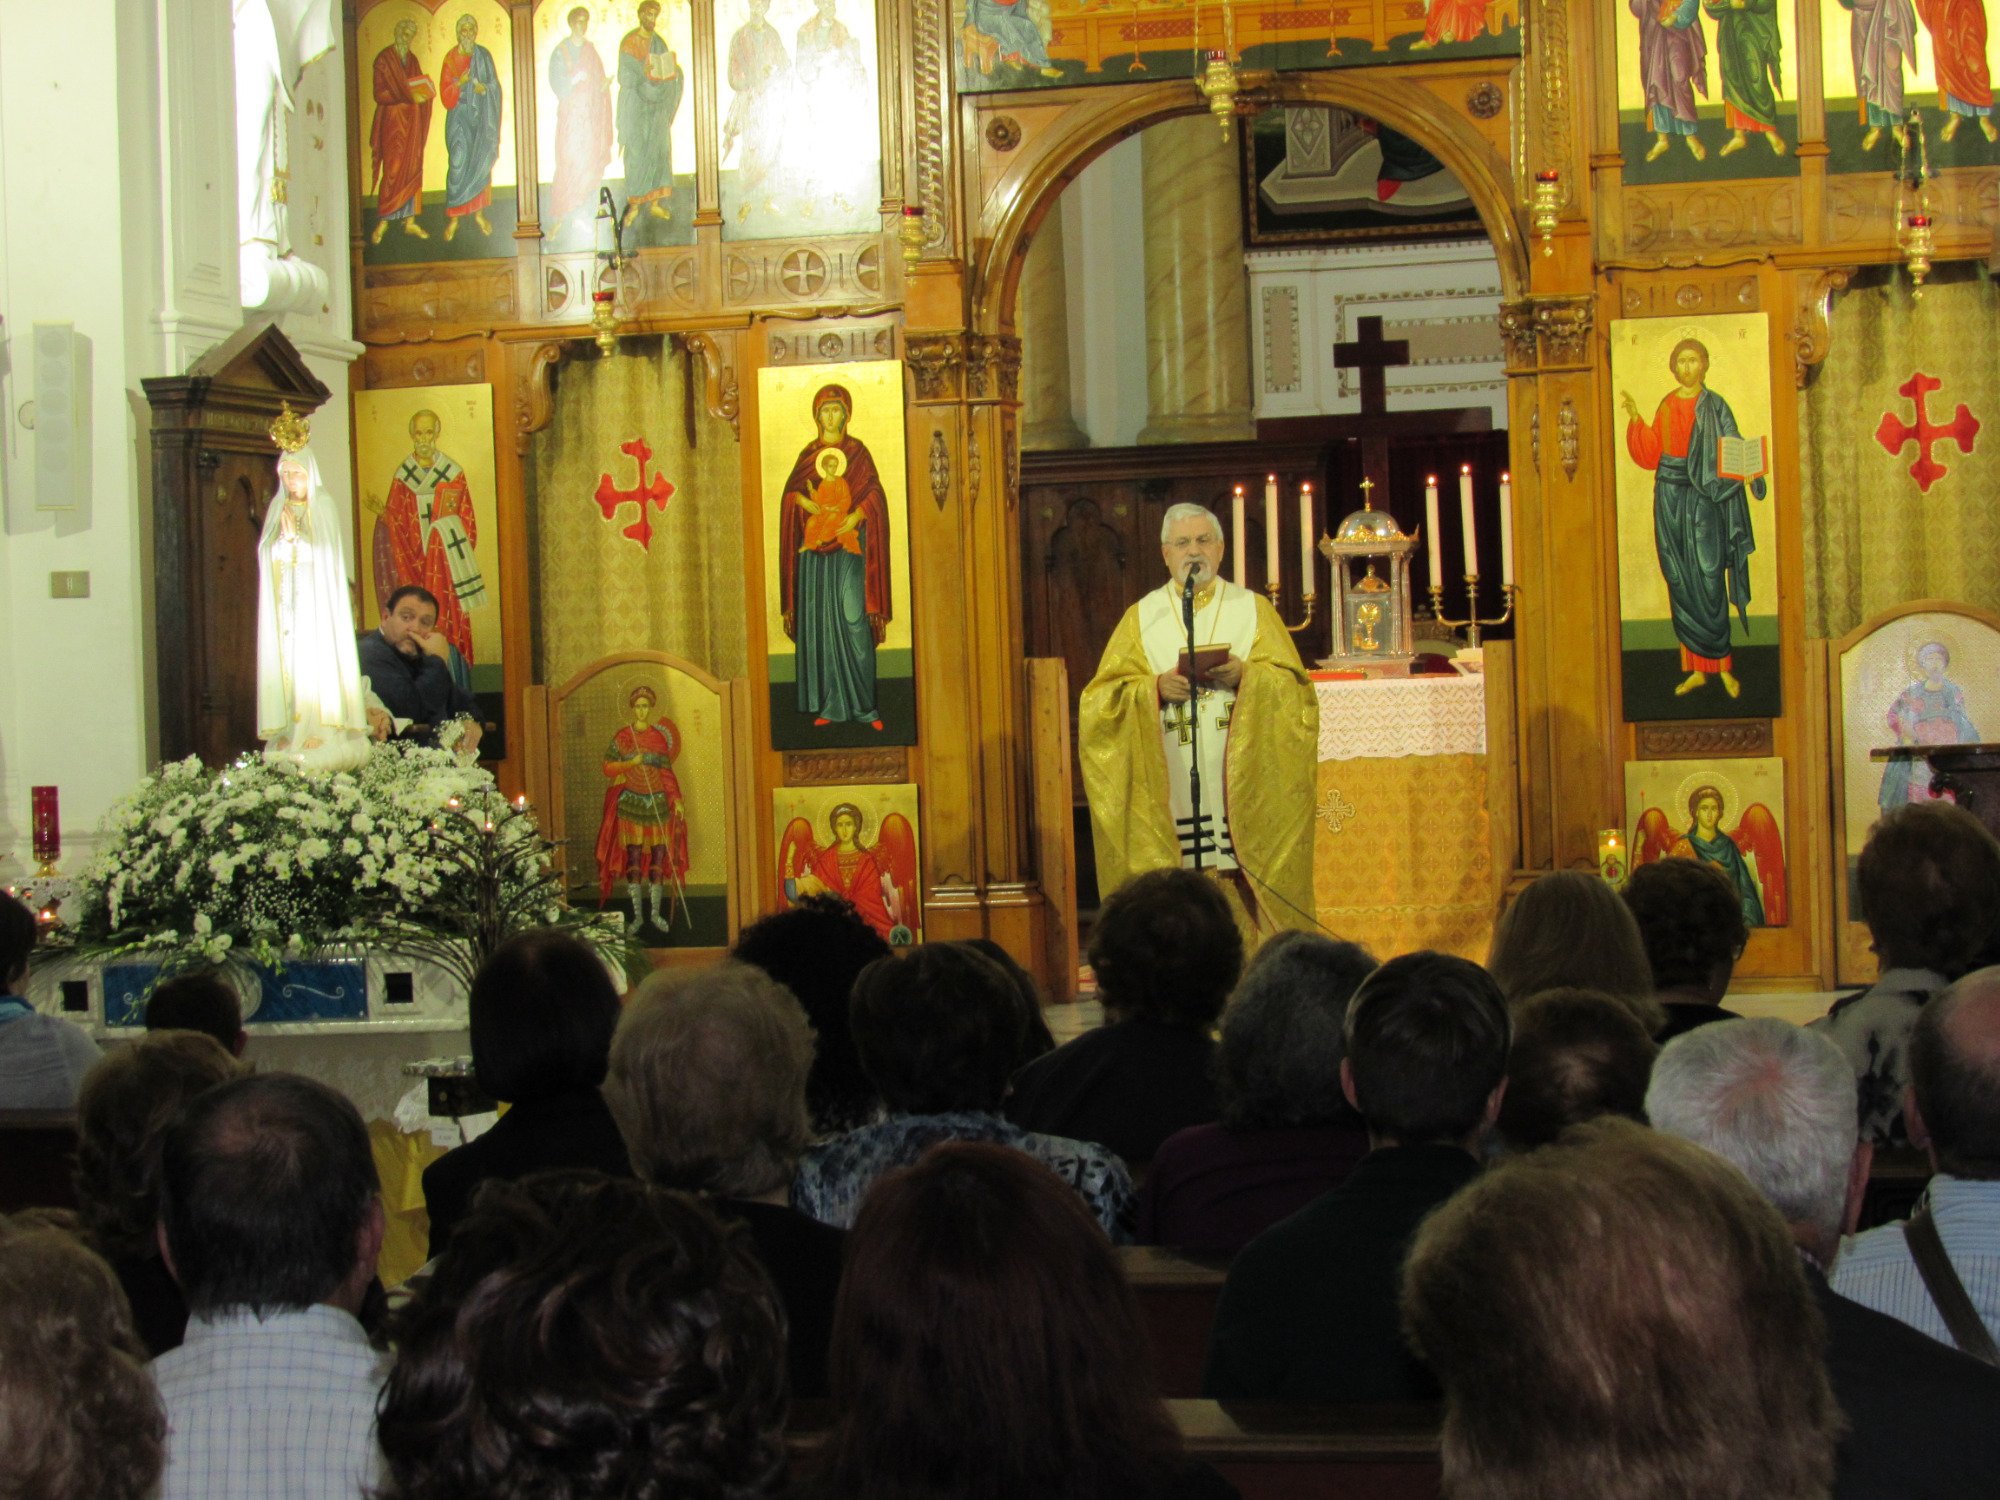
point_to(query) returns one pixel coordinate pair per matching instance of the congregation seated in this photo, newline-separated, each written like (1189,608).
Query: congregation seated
(128,1101)
(1036,1039)
(708,1085)
(1778,1103)
(1691,922)
(1309,1312)
(1569,930)
(1287,1133)
(1577,1054)
(79,1418)
(541,1013)
(43,1059)
(1928,885)
(816,950)
(1953,1111)
(1166,952)
(202,1001)
(588,1336)
(1620,1316)
(272,1218)
(987,1348)
(938,1030)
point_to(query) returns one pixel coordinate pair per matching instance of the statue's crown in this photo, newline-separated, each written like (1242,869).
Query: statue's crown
(290,431)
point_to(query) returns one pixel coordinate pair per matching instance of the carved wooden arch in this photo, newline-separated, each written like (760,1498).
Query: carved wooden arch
(1050,159)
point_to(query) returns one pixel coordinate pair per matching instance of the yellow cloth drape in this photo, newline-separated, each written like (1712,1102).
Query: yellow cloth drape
(1269,770)
(399,1162)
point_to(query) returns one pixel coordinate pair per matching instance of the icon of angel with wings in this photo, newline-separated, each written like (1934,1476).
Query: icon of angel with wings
(1751,852)
(880,882)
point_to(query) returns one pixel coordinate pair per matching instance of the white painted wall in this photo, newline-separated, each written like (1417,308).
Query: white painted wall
(1104,217)
(117,215)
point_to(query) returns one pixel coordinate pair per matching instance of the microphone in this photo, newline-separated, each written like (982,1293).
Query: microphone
(1194,569)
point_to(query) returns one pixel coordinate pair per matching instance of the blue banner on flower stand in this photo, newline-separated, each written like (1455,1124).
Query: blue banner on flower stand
(321,990)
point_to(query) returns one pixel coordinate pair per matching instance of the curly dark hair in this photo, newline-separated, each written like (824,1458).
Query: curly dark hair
(939,1028)
(78,1412)
(1929,883)
(588,1336)
(1690,921)
(1165,948)
(123,1110)
(1278,1062)
(1576,1054)
(816,950)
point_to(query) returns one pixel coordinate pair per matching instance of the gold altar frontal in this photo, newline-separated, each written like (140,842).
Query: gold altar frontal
(1409,841)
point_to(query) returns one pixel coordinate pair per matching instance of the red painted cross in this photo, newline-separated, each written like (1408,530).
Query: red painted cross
(1894,431)
(609,497)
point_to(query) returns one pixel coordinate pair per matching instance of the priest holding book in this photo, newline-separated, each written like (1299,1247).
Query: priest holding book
(1241,710)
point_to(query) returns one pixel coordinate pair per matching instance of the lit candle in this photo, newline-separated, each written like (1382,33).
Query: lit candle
(1270,531)
(1305,539)
(1465,520)
(1237,549)
(1506,528)
(47,823)
(1431,529)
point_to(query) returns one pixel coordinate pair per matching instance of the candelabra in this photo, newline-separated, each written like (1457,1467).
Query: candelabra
(1308,599)
(1472,624)
(1915,235)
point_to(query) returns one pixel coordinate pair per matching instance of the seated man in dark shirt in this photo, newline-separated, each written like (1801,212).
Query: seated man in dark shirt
(413,683)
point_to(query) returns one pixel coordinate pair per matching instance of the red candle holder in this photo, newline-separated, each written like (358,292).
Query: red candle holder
(46,822)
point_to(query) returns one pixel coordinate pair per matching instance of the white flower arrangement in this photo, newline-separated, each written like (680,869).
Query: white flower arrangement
(414,850)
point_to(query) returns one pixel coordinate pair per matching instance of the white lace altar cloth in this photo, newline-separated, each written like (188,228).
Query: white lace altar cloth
(1392,718)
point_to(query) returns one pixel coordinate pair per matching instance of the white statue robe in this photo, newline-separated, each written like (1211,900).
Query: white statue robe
(311,708)
(1228,619)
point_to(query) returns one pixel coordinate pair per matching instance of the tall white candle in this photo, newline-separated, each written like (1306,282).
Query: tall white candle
(1237,549)
(1270,531)
(1506,528)
(1465,519)
(1431,529)
(1305,539)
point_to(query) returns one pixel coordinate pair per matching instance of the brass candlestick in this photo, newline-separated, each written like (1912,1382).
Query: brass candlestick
(1472,624)
(1308,600)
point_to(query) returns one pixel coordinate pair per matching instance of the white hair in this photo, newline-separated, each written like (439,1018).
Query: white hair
(1774,1100)
(1187,510)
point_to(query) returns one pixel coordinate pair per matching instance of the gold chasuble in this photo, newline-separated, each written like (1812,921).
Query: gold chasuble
(1257,815)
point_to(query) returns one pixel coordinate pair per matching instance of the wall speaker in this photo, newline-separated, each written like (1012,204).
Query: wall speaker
(62,417)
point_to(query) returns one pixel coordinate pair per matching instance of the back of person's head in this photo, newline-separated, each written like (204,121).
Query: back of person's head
(938,1029)
(267,1185)
(200,1001)
(986,1344)
(1690,921)
(1165,948)
(19,932)
(1284,1033)
(587,1336)
(1569,930)
(1036,1037)
(1774,1100)
(542,1012)
(1426,1046)
(1929,886)
(1577,1054)
(816,950)
(1619,1315)
(708,1080)
(1955,1074)
(79,1418)
(127,1101)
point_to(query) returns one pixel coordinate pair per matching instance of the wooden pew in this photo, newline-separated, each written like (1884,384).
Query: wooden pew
(1274,1451)
(37,1159)
(1177,1292)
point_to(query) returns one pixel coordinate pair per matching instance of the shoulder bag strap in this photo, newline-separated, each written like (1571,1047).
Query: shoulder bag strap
(1968,1330)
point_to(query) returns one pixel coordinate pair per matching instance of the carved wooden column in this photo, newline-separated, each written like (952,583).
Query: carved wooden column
(1197,296)
(1047,418)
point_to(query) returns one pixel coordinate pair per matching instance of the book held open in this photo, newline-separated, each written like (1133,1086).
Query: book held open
(1742,458)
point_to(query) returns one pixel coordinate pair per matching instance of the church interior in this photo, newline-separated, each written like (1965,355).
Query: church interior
(777,401)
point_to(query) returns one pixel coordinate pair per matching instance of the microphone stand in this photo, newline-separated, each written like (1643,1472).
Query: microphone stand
(1194,709)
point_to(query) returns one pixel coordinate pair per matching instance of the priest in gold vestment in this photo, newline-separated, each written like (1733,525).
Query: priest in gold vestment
(1257,731)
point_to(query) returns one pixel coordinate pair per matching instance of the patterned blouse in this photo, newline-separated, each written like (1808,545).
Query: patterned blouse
(835,1175)
(1873,1028)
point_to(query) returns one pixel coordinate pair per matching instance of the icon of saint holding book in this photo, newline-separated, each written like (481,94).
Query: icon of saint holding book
(1704,472)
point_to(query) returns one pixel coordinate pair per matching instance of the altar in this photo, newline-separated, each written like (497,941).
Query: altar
(1414,808)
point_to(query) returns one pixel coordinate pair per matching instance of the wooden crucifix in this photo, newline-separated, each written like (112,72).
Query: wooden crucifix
(1373,356)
